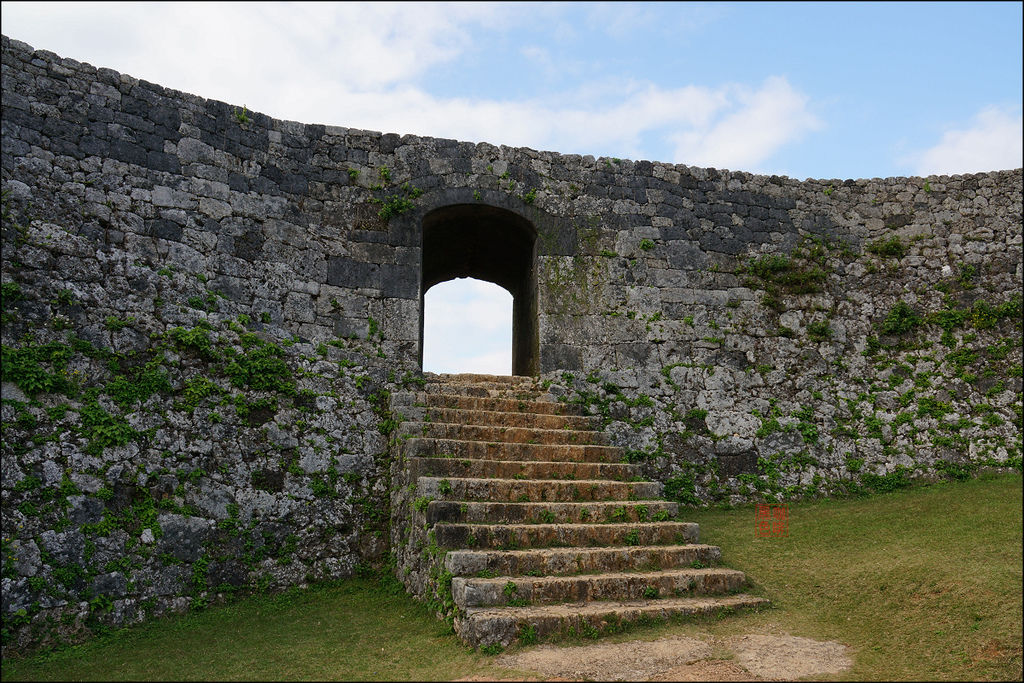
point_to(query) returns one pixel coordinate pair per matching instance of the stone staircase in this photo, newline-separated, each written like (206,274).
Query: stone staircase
(542,530)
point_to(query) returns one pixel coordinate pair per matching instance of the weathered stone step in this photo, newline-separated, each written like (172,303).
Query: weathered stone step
(563,561)
(481,450)
(536,490)
(549,513)
(503,405)
(470,378)
(498,418)
(545,529)
(547,590)
(509,469)
(512,536)
(503,625)
(488,433)
(526,392)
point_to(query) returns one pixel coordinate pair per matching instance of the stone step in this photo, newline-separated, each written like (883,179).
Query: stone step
(563,561)
(498,418)
(480,450)
(509,469)
(473,378)
(523,392)
(498,434)
(546,532)
(549,513)
(483,626)
(513,536)
(535,490)
(490,403)
(548,590)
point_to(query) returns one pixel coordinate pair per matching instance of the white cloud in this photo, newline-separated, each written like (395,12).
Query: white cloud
(729,126)
(363,65)
(550,68)
(753,125)
(494,363)
(621,19)
(467,327)
(230,50)
(993,141)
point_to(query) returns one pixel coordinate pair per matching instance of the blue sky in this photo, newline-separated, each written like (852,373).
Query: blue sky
(820,90)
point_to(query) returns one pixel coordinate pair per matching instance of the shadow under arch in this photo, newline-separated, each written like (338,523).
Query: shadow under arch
(492,244)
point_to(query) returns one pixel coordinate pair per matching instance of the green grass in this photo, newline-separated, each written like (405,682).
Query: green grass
(356,630)
(923,583)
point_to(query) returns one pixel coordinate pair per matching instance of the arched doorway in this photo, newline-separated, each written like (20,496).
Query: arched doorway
(492,244)
(467,327)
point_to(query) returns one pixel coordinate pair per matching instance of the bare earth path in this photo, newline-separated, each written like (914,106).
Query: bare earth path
(736,658)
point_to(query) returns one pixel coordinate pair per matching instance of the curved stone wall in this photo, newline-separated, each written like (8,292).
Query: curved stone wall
(205,312)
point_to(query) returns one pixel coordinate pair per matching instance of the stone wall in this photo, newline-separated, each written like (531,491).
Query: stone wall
(192,405)
(773,339)
(205,311)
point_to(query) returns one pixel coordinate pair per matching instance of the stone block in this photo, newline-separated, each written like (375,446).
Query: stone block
(165,196)
(183,537)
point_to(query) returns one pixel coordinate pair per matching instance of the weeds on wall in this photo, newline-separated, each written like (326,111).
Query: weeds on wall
(804,271)
(858,423)
(242,115)
(893,248)
(397,204)
(111,404)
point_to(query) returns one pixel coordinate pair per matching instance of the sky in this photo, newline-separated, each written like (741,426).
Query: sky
(806,90)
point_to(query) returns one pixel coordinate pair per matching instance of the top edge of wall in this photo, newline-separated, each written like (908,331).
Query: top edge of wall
(623,165)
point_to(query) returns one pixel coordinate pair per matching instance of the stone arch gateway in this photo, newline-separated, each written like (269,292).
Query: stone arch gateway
(213,317)
(487,243)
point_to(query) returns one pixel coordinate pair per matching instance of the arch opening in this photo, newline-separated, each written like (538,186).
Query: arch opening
(491,244)
(467,327)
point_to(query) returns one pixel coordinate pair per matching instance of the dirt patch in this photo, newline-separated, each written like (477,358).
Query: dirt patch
(740,658)
(513,680)
(707,670)
(789,657)
(631,661)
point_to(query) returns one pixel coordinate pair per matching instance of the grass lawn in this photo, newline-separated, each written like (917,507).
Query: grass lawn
(355,630)
(922,583)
